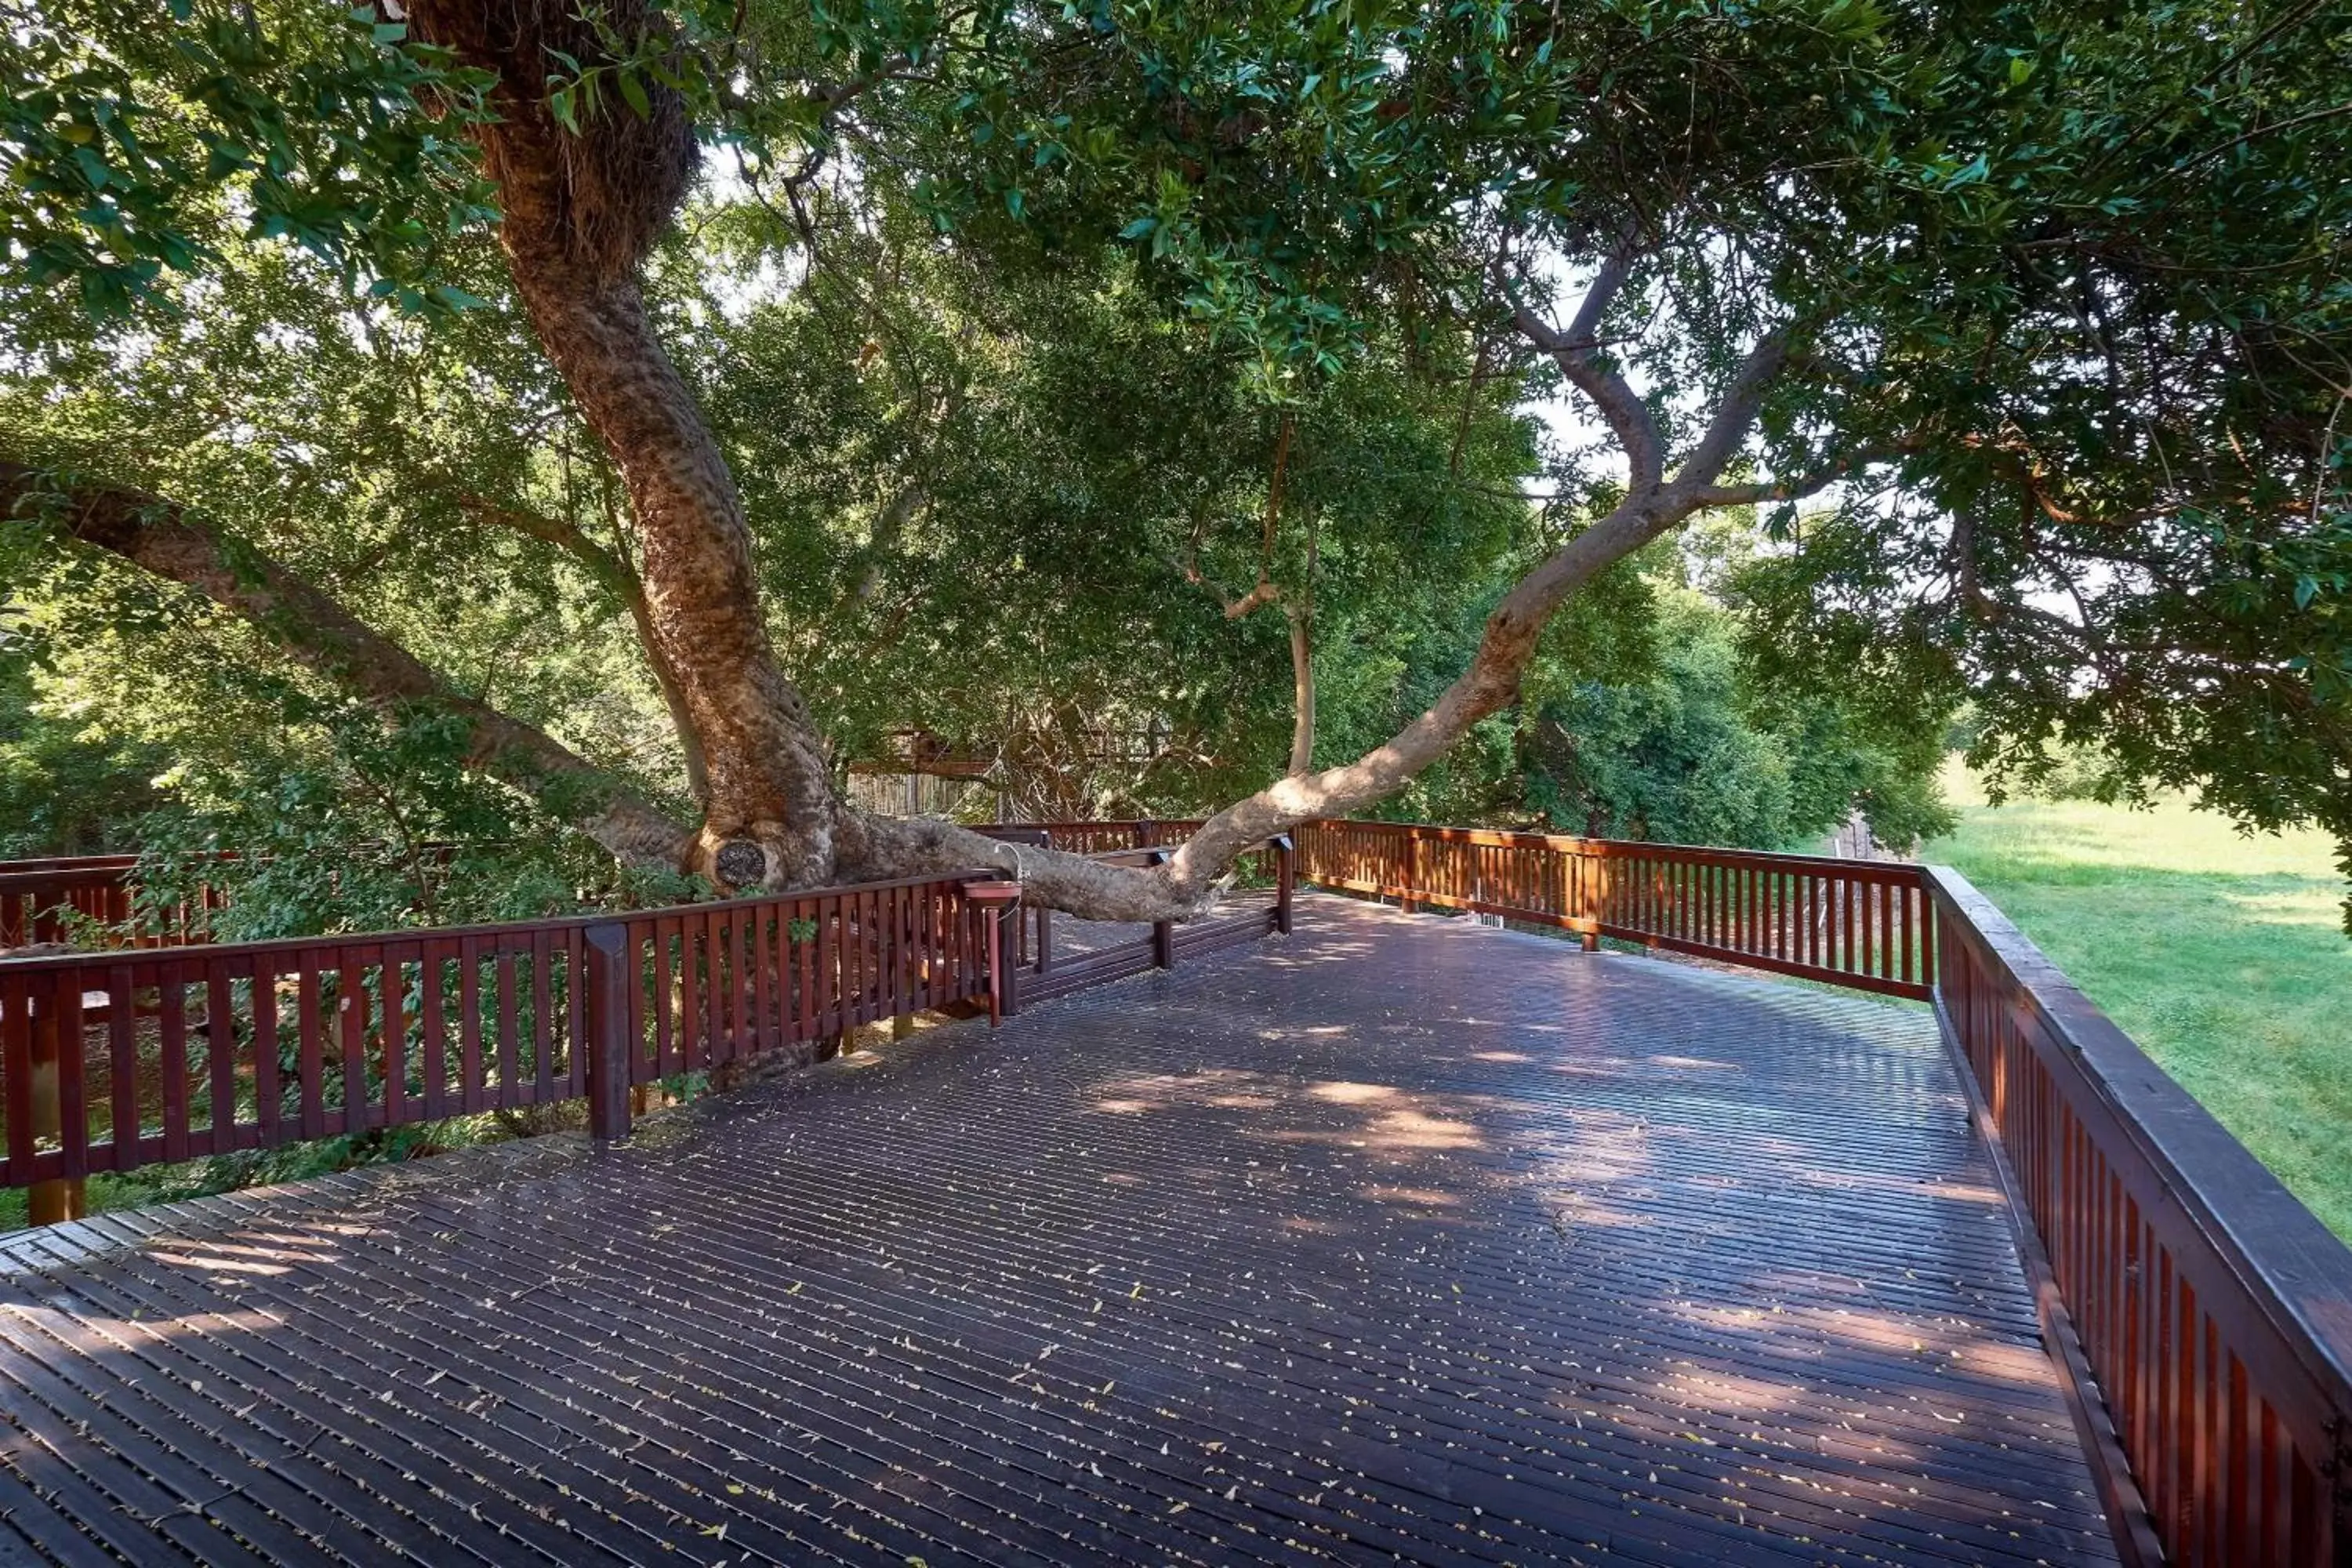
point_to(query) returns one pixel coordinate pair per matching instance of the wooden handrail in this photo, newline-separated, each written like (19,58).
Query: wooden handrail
(115,1059)
(2208,1310)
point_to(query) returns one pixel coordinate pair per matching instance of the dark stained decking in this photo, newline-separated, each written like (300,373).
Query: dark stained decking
(1401,1239)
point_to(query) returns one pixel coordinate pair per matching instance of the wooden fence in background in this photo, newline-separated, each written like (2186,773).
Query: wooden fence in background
(89,900)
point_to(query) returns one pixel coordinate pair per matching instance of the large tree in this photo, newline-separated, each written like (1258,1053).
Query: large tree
(2046,305)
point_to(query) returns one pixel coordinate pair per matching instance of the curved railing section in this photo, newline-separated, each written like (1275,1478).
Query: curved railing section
(2203,1314)
(1862,924)
(2211,1310)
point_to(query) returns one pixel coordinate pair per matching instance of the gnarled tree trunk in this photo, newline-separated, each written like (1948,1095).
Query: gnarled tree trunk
(581,210)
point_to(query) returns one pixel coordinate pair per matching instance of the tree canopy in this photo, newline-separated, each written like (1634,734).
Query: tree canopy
(642,409)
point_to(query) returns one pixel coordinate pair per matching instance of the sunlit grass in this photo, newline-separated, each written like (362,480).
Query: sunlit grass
(2224,954)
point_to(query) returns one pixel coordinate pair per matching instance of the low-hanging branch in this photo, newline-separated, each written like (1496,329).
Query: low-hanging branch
(164,539)
(1654,504)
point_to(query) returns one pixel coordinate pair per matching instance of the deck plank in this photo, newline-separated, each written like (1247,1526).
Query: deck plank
(1401,1239)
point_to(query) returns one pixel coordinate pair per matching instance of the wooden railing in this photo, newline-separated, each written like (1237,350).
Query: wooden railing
(98,902)
(113,1060)
(1038,968)
(90,900)
(1862,924)
(2205,1311)
(2202,1315)
(168,1047)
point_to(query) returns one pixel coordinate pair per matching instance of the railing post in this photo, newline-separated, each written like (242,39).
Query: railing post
(1412,872)
(1163,933)
(1045,928)
(1008,957)
(993,899)
(51,1203)
(610,972)
(1586,874)
(1285,880)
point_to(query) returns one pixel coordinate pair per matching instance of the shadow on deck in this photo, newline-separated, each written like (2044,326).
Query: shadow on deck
(1400,1239)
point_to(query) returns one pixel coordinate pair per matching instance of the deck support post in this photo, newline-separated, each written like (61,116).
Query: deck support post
(1285,880)
(610,974)
(1163,933)
(995,901)
(1005,972)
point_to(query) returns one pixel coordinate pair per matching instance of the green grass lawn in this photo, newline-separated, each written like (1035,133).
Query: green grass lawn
(2222,955)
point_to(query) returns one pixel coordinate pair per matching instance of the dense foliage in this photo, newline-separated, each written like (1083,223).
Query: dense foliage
(1072,370)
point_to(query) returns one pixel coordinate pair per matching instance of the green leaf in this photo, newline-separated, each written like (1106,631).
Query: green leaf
(633,93)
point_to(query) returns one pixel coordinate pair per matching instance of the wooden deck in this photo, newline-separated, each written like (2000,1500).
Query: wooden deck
(1399,1239)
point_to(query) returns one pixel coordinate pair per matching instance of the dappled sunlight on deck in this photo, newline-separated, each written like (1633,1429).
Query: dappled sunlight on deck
(1401,1239)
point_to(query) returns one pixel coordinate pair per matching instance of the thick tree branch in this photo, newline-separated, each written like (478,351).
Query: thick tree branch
(1512,631)
(1576,351)
(1652,507)
(161,538)
(1189,881)
(1735,416)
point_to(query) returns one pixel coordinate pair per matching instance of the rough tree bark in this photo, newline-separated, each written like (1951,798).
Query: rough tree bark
(580,211)
(161,538)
